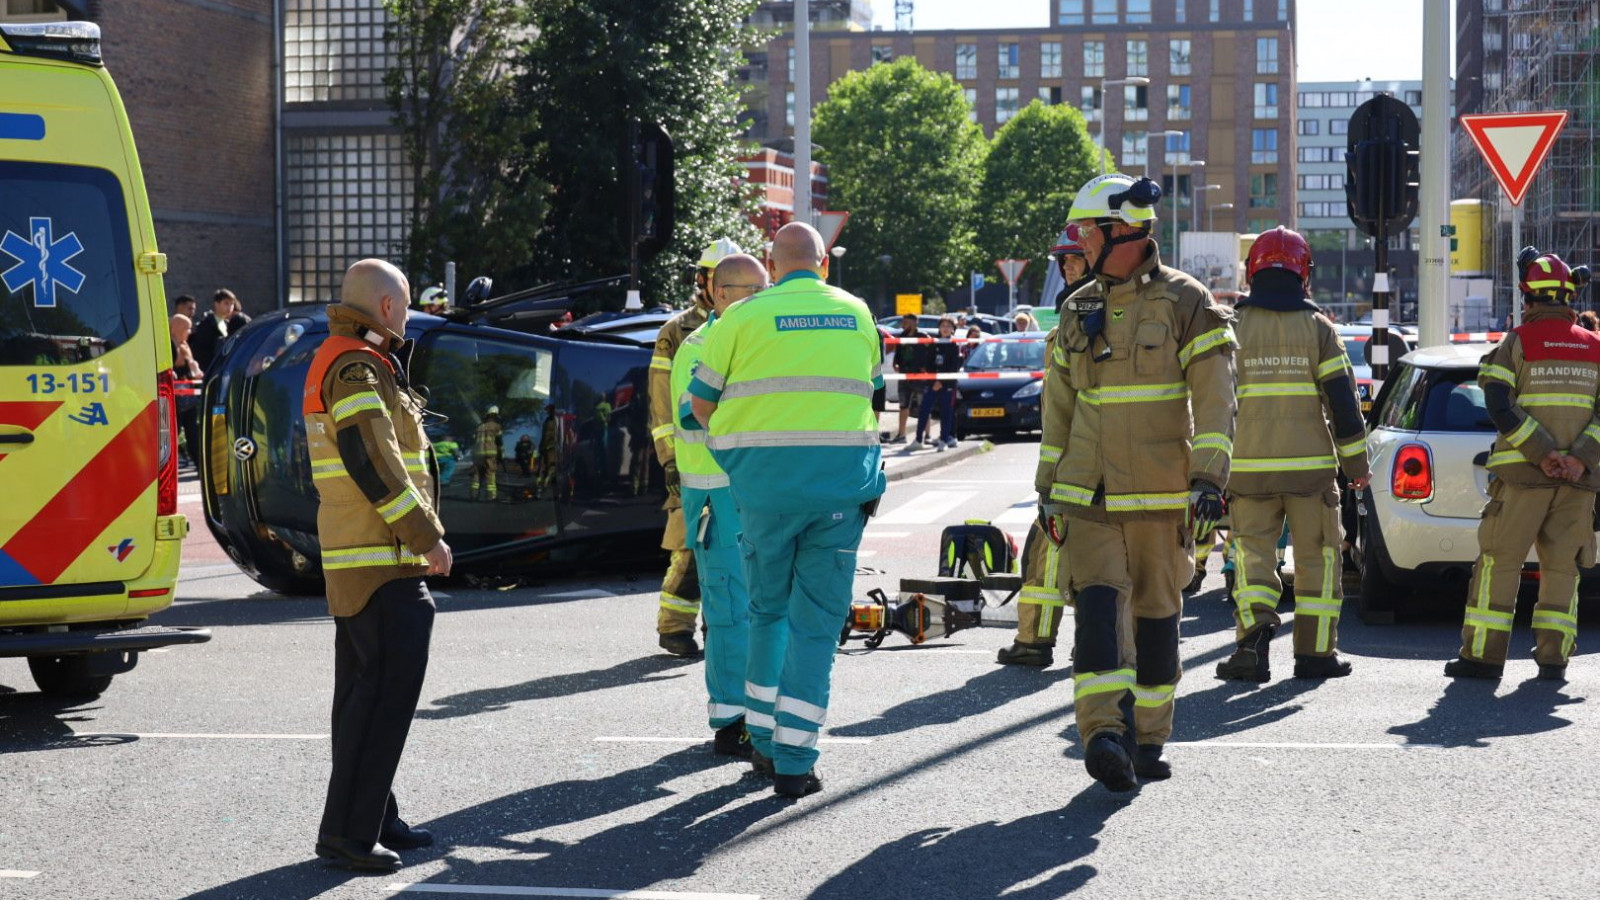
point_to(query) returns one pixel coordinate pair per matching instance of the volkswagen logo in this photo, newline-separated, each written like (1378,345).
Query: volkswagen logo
(986,395)
(244,449)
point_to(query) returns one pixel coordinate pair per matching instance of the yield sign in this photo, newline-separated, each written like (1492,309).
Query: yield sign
(830,224)
(1011,268)
(1515,145)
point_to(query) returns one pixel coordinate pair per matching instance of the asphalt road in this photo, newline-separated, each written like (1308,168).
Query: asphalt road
(558,753)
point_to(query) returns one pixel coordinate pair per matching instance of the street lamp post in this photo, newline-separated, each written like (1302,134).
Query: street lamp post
(1194,200)
(1211,215)
(1157,134)
(838,265)
(1100,136)
(1193,165)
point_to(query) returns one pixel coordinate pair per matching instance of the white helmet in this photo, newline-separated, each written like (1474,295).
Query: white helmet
(717,251)
(492,411)
(1117,196)
(434,296)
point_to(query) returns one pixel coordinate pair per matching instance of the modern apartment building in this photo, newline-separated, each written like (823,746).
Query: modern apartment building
(1218,73)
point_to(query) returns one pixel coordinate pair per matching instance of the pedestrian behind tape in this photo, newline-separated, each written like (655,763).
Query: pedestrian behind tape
(784,389)
(944,358)
(910,358)
(379,529)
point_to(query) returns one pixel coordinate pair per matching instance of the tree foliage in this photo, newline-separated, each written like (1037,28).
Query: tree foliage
(1036,164)
(468,144)
(906,161)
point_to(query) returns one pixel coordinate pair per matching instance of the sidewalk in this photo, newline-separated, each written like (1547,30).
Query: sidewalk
(908,460)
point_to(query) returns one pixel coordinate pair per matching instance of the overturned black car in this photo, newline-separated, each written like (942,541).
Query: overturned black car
(576,480)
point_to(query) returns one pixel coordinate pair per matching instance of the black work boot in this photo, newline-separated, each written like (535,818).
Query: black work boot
(1553,671)
(732,740)
(680,643)
(1471,668)
(1250,661)
(1023,654)
(1148,764)
(759,763)
(796,786)
(1198,579)
(1320,666)
(1108,763)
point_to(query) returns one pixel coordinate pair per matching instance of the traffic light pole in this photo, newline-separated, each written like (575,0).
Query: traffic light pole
(1379,348)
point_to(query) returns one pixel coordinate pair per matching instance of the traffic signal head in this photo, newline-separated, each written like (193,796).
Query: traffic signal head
(1381,186)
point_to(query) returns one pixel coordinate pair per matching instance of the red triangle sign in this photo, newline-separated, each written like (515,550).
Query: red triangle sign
(1514,145)
(829,224)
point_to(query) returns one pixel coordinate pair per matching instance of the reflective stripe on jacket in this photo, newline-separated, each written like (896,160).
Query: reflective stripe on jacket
(1294,380)
(663,405)
(1540,387)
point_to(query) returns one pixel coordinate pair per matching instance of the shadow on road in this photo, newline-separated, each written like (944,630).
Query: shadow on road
(624,674)
(32,722)
(671,844)
(980,694)
(987,860)
(1468,713)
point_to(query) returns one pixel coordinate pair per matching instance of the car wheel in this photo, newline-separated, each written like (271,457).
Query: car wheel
(67,677)
(1379,598)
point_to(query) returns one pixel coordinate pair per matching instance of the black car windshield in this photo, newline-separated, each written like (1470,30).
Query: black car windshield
(993,355)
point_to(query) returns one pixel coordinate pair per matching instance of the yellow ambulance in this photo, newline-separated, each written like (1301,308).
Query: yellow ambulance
(90,534)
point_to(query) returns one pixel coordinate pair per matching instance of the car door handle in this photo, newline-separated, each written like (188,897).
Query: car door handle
(21,438)
(1482,459)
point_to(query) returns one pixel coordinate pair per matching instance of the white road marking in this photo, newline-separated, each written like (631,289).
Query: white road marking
(585,594)
(1296,745)
(885,534)
(1022,512)
(702,740)
(485,890)
(973,481)
(16,873)
(864,554)
(200,736)
(927,508)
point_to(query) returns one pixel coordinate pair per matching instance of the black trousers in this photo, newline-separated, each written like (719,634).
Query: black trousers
(380,656)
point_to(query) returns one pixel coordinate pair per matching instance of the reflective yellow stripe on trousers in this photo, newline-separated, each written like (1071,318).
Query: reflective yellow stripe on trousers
(1090,683)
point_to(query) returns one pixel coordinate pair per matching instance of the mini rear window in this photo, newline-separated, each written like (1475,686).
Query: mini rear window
(67,289)
(1436,400)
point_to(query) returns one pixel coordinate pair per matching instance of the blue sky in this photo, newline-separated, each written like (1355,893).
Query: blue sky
(1336,41)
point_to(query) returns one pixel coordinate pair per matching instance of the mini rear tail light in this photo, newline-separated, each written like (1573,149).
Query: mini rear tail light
(1412,476)
(167,448)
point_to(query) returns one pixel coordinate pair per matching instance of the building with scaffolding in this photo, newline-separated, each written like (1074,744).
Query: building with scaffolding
(1533,56)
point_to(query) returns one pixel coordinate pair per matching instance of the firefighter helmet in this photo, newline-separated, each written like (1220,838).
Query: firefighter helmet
(717,251)
(1067,243)
(1280,248)
(1547,280)
(1117,196)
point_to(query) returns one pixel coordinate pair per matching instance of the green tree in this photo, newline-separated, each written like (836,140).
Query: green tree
(906,161)
(1036,165)
(593,66)
(474,198)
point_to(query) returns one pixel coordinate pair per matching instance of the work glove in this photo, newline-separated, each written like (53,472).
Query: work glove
(1206,508)
(1053,519)
(674,486)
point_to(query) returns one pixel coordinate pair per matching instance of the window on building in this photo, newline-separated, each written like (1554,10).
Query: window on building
(1136,103)
(1341,98)
(788,108)
(1139,12)
(1266,56)
(1321,182)
(1491,80)
(1266,101)
(1090,102)
(972,103)
(1178,102)
(1264,191)
(966,60)
(1320,209)
(1264,146)
(1321,154)
(1179,198)
(1050,96)
(1216,10)
(1283,10)
(882,53)
(1310,126)
(1105,12)
(1138,58)
(347,197)
(1135,149)
(1312,99)
(1338,126)
(1094,59)
(1413,98)
(791,65)
(1256,226)
(1179,57)
(1010,61)
(334,50)
(1050,59)
(1177,148)
(1493,41)
(1005,104)
(1249,10)
(31,11)
(1070,12)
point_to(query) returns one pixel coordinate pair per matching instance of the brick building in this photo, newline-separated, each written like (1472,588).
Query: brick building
(1221,72)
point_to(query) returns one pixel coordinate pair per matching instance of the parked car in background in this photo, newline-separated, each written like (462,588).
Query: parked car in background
(1356,338)
(1001,396)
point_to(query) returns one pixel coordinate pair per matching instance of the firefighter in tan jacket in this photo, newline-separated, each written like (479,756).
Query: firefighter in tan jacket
(1299,425)
(680,589)
(379,530)
(1541,386)
(1139,399)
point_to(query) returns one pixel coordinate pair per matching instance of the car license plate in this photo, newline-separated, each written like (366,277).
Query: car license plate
(988,412)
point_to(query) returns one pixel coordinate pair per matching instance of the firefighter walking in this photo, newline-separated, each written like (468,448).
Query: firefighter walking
(1294,383)
(680,588)
(486,456)
(1044,597)
(1142,372)
(1541,386)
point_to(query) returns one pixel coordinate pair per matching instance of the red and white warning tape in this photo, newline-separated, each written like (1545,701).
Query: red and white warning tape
(893,341)
(959,376)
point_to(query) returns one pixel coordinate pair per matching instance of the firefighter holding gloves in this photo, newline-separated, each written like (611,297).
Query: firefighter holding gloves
(784,388)
(1294,383)
(1139,400)
(1541,386)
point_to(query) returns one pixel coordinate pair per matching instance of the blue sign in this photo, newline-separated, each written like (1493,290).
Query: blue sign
(21,127)
(42,261)
(978,281)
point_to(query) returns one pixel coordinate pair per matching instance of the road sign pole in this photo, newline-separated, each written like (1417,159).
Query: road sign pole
(1516,277)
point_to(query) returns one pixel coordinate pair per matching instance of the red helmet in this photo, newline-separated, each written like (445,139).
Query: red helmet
(1067,244)
(1549,279)
(1280,248)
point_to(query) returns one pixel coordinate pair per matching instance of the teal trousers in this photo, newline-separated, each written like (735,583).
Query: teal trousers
(713,523)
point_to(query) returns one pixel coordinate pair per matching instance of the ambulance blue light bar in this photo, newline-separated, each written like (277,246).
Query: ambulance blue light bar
(73,41)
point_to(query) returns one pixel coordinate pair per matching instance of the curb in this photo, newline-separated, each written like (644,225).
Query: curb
(934,461)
